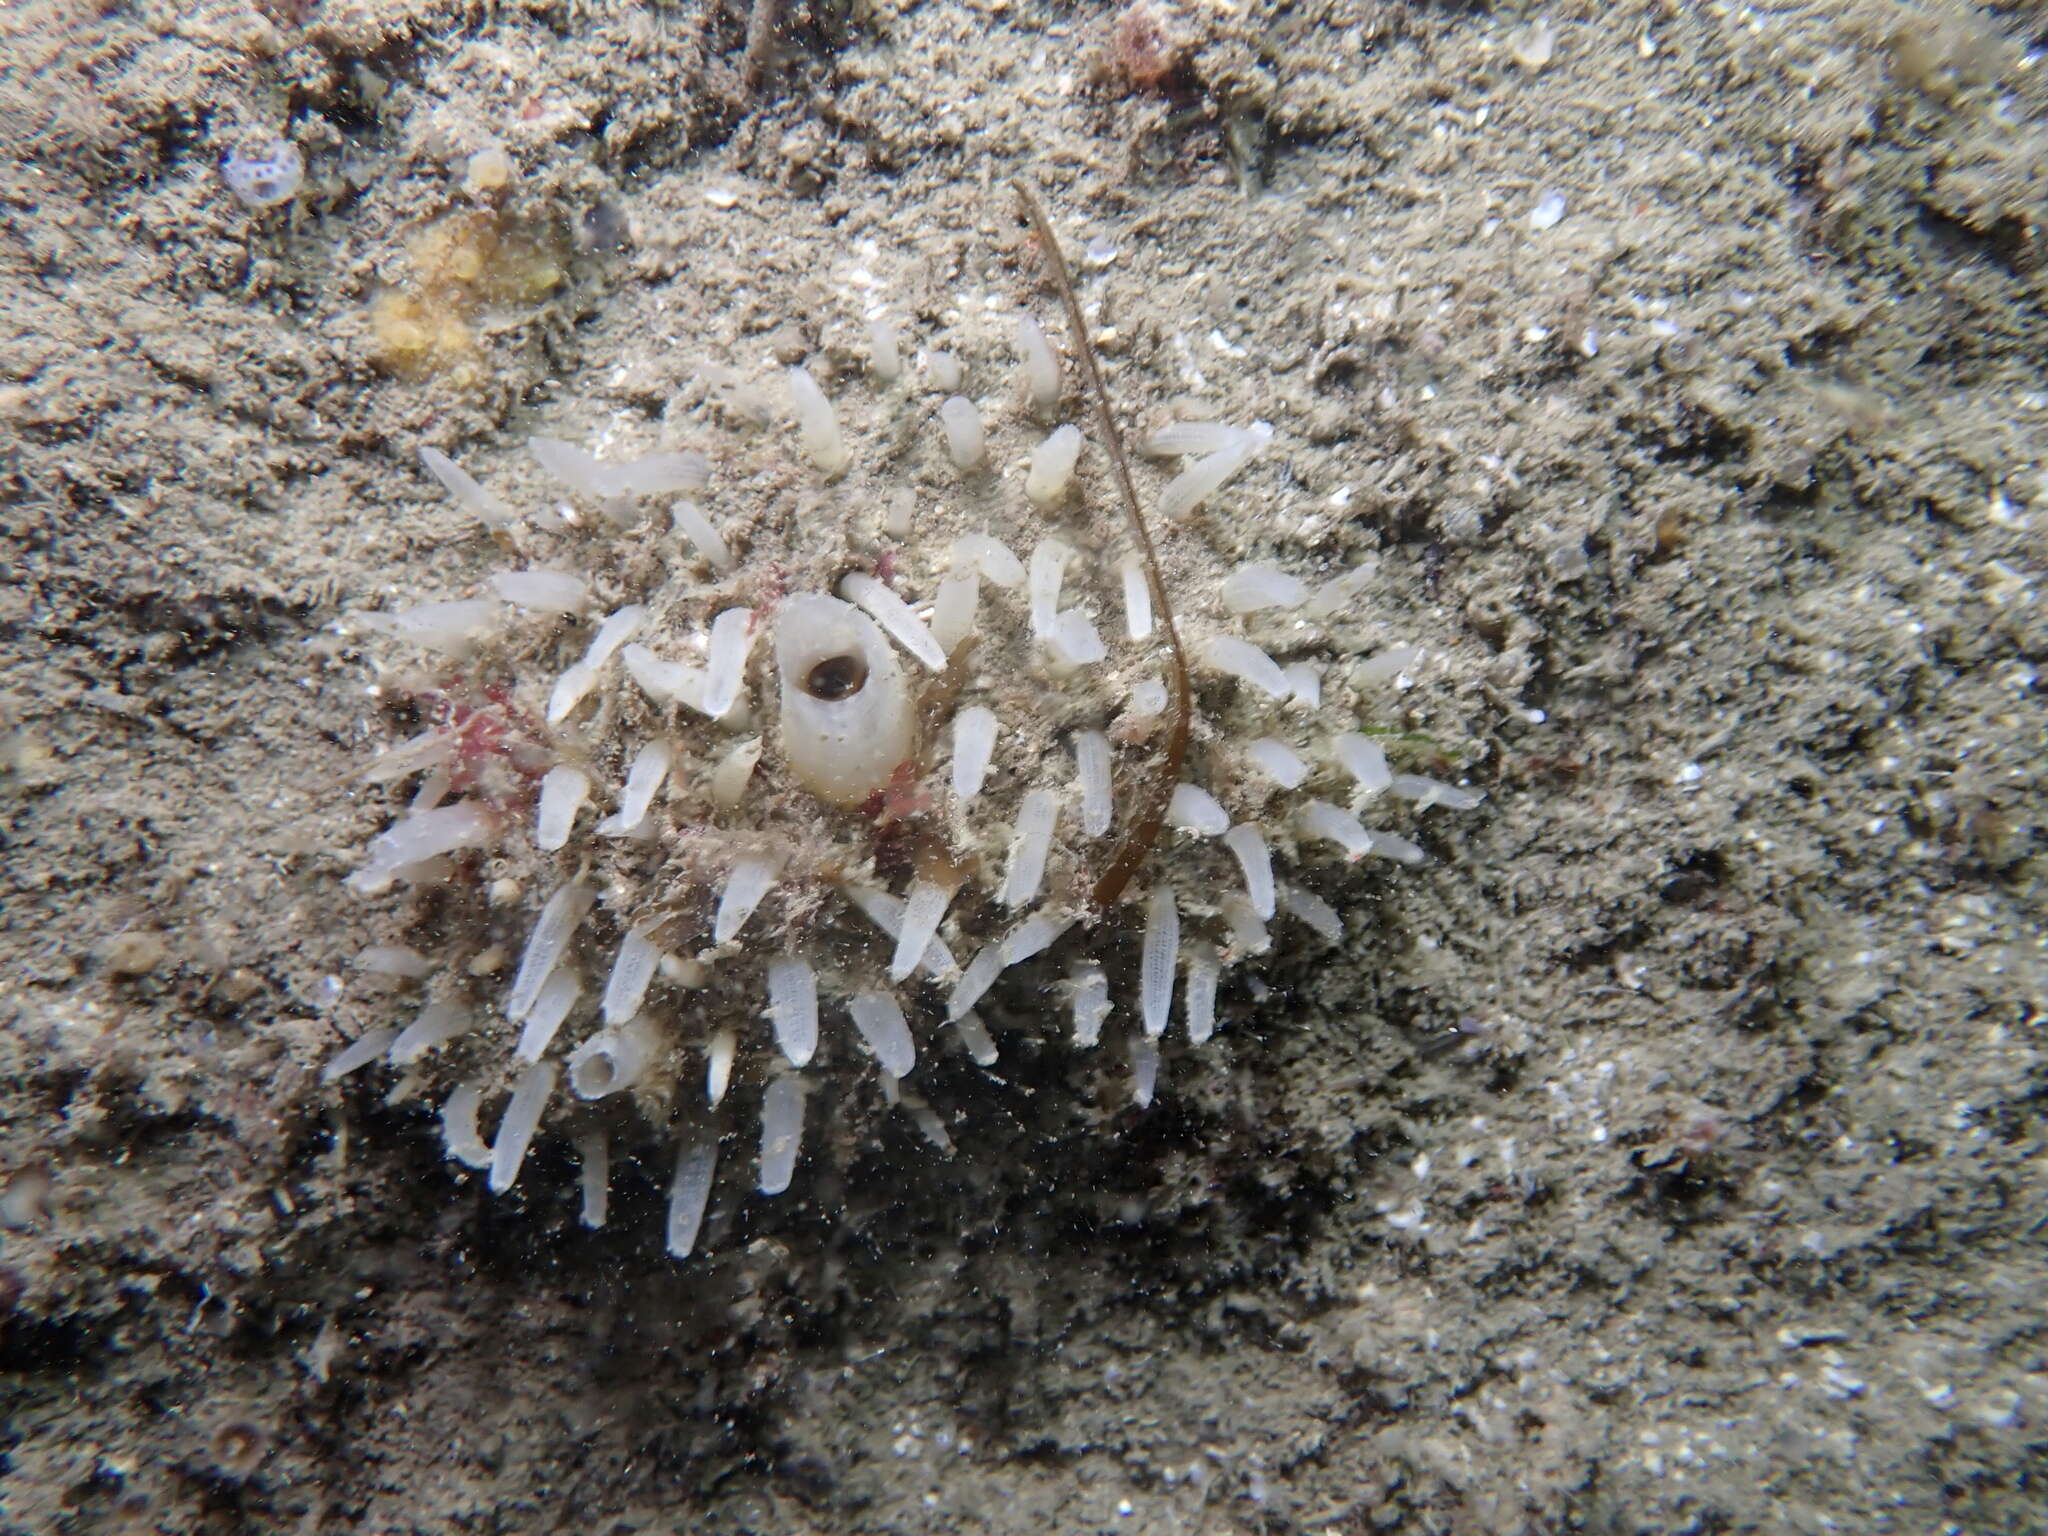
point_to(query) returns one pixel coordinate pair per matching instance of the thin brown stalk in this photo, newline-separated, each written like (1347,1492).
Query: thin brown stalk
(759,58)
(1144,828)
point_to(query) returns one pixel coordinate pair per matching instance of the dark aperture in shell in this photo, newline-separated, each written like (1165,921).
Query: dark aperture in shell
(836,677)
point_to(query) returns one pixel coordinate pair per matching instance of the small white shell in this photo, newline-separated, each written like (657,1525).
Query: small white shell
(549,940)
(1248,846)
(793,1008)
(521,1120)
(542,591)
(956,609)
(357,1054)
(463,486)
(1041,366)
(562,792)
(895,616)
(692,524)
(782,1132)
(558,996)
(1277,761)
(1091,767)
(1156,961)
(1364,759)
(1029,845)
(817,426)
(725,663)
(1194,809)
(1052,467)
(690,1192)
(879,1018)
(643,781)
(1321,819)
(437,1023)
(632,972)
(1254,588)
(966,444)
(1137,598)
(1203,974)
(1245,662)
(753,876)
(924,908)
(1208,475)
(1048,566)
(992,557)
(974,743)
(885,354)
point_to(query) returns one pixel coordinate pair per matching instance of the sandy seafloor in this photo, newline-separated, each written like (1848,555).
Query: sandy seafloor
(1665,1155)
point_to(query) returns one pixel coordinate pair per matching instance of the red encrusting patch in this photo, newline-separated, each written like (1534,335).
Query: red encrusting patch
(495,731)
(904,798)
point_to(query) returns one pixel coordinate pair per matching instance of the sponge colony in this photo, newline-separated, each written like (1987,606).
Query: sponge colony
(462,265)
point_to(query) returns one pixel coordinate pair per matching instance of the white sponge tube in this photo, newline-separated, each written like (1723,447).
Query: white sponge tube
(612,1060)
(848,715)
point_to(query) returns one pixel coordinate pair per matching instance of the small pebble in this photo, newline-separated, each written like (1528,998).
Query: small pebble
(489,170)
(25,1202)
(1534,46)
(1548,210)
(239,985)
(135,953)
(604,227)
